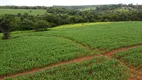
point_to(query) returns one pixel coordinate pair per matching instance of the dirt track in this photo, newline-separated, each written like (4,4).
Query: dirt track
(107,54)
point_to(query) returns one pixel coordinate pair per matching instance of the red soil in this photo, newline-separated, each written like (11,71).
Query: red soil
(77,60)
(133,70)
(138,76)
(108,54)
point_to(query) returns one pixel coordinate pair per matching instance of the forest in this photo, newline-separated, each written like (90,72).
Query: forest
(60,15)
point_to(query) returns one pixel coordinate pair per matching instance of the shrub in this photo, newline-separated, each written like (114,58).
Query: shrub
(41,25)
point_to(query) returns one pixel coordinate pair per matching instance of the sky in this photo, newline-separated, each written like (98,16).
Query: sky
(65,2)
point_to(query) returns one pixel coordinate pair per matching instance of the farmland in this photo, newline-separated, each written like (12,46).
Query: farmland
(52,53)
(96,68)
(16,11)
(132,57)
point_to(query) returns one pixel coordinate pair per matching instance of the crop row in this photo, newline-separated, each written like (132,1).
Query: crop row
(132,56)
(105,36)
(28,52)
(99,68)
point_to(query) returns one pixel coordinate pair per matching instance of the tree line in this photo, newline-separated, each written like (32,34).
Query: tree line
(59,16)
(22,7)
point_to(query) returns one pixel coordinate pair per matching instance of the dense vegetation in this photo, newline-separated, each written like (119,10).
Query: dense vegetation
(28,50)
(99,68)
(23,7)
(133,57)
(111,27)
(106,36)
(67,15)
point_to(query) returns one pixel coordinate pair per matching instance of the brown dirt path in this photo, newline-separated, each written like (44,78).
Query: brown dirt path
(131,68)
(108,54)
(137,75)
(77,60)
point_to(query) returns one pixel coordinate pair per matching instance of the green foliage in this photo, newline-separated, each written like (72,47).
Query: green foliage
(5,25)
(41,25)
(56,16)
(21,11)
(28,50)
(23,7)
(87,70)
(106,36)
(25,24)
(132,56)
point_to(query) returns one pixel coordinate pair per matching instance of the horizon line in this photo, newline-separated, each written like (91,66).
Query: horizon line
(73,5)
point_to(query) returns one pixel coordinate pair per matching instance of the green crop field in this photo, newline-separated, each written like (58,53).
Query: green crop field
(98,68)
(132,57)
(61,46)
(16,11)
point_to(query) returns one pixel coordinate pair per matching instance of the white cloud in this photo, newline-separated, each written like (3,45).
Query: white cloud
(65,2)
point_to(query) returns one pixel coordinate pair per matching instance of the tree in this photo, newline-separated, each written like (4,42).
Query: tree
(41,25)
(5,26)
(25,24)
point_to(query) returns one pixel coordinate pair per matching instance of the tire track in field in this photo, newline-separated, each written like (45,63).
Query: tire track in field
(107,54)
(112,52)
(131,68)
(77,60)
(80,59)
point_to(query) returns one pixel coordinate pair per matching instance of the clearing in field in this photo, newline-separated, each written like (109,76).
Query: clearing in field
(104,51)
